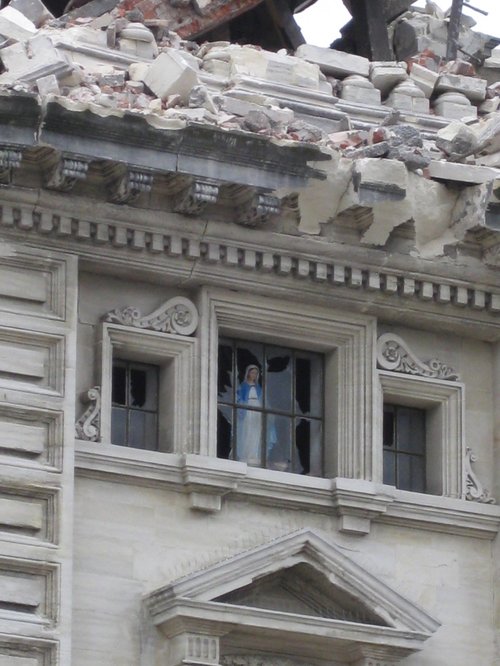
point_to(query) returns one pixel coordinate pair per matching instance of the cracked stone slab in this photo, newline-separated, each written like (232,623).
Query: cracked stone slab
(462,173)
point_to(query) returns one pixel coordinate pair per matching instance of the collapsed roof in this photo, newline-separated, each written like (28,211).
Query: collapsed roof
(122,95)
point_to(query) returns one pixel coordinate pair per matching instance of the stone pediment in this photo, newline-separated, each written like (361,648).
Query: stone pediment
(302,590)
(299,595)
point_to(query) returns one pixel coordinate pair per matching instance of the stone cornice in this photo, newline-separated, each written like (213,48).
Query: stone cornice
(196,149)
(453,295)
(208,481)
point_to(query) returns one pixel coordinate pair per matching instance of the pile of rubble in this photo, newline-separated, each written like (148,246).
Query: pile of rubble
(113,64)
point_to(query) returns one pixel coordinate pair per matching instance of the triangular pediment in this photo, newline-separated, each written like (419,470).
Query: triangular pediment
(302,590)
(298,591)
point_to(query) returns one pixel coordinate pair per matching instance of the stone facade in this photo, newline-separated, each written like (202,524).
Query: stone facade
(128,237)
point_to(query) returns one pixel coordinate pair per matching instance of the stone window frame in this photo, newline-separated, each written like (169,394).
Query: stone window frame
(348,343)
(444,402)
(175,357)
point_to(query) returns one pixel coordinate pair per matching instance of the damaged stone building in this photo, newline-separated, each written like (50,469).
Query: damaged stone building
(249,337)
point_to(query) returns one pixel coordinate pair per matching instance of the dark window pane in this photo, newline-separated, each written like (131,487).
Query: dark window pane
(224,432)
(416,435)
(279,443)
(279,380)
(388,436)
(302,462)
(150,431)
(249,436)
(316,455)
(303,385)
(142,429)
(136,429)
(411,473)
(119,385)
(317,386)
(389,468)
(137,387)
(225,373)
(119,426)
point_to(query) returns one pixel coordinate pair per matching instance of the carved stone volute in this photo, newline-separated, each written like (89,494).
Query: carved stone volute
(178,315)
(88,426)
(474,489)
(394,354)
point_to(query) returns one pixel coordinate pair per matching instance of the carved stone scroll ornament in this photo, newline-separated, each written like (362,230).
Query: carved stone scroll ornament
(66,173)
(88,426)
(10,159)
(128,187)
(257,210)
(196,197)
(394,354)
(178,315)
(474,489)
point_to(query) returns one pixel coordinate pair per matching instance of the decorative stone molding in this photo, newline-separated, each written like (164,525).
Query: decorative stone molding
(66,173)
(178,315)
(257,210)
(394,354)
(210,477)
(10,159)
(194,648)
(196,197)
(88,426)
(127,187)
(475,491)
(176,357)
(121,235)
(208,485)
(491,256)
(235,599)
(260,660)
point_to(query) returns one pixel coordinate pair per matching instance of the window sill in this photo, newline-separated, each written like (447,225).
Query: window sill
(357,503)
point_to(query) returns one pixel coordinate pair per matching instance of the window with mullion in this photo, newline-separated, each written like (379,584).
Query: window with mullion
(134,413)
(270,406)
(404,447)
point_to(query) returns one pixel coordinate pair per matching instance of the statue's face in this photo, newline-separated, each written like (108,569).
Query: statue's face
(252,375)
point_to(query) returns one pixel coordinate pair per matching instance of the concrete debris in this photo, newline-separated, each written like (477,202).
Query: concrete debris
(126,62)
(417,32)
(388,177)
(356,88)
(454,105)
(48,85)
(14,25)
(457,140)
(386,75)
(28,61)
(407,96)
(334,63)
(169,74)
(473,88)
(33,10)
(424,78)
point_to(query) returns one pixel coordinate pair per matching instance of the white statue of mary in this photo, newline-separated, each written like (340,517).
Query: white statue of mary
(249,394)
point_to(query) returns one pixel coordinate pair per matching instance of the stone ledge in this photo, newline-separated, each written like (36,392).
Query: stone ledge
(357,503)
(120,236)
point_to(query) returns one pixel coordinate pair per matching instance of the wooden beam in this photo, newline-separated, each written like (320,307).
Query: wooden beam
(283,16)
(454,29)
(370,29)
